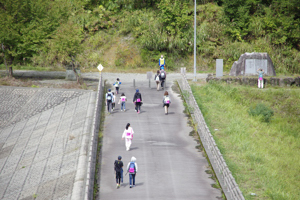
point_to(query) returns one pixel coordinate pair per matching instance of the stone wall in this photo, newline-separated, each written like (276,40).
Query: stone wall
(268,81)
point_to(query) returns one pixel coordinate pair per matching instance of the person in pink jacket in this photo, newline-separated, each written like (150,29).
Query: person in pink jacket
(128,135)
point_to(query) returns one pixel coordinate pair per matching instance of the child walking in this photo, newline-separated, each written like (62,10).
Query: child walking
(166,102)
(117,85)
(123,100)
(113,105)
(118,167)
(128,135)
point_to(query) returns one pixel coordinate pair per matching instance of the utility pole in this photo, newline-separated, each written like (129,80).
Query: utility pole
(195,14)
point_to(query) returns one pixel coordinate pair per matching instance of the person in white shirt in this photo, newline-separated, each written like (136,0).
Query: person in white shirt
(128,135)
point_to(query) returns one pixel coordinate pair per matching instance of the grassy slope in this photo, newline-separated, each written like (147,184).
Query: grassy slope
(263,157)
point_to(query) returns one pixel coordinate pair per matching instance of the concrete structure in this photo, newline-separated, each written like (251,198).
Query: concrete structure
(42,135)
(219,67)
(248,64)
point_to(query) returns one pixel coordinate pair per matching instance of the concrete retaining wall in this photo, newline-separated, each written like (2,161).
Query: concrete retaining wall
(226,180)
(93,143)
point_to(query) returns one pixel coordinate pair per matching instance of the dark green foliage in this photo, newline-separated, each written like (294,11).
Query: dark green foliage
(262,110)
(26,26)
(33,31)
(117,5)
(248,19)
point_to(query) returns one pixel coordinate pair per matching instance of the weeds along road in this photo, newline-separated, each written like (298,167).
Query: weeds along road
(169,165)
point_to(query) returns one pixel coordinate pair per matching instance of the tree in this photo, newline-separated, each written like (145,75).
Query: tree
(65,44)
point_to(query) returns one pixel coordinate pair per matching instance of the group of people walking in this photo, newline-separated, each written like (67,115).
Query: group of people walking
(127,135)
(111,99)
(132,169)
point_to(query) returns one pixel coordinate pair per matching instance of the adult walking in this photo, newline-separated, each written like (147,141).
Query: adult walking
(157,79)
(109,99)
(118,167)
(163,76)
(132,169)
(137,100)
(260,81)
(128,136)
(161,62)
(166,102)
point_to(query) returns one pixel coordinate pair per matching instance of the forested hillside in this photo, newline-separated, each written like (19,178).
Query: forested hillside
(131,34)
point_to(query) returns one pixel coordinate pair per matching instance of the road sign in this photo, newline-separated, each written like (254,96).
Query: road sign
(100,67)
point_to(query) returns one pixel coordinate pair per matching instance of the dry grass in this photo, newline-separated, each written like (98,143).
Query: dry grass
(10,81)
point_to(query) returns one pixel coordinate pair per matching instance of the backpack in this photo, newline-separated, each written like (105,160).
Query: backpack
(131,168)
(138,97)
(162,75)
(117,84)
(109,96)
(123,98)
(167,100)
(157,78)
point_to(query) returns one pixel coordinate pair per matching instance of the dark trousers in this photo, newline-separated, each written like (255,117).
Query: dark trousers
(162,82)
(132,179)
(118,177)
(137,106)
(109,105)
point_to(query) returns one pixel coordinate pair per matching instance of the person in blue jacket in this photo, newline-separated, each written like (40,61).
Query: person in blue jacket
(162,63)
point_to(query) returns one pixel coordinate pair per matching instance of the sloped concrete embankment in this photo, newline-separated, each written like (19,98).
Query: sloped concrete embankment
(226,180)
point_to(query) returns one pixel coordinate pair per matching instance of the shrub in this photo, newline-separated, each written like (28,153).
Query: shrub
(262,110)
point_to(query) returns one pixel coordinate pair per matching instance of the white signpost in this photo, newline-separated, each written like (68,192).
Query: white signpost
(100,68)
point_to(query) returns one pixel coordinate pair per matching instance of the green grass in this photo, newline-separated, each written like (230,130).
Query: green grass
(264,157)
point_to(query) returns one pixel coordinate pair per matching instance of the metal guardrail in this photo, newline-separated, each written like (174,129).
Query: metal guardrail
(92,152)
(226,180)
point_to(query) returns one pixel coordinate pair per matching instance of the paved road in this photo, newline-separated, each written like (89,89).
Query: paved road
(170,167)
(41,133)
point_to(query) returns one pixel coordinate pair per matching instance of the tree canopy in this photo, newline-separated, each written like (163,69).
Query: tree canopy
(53,31)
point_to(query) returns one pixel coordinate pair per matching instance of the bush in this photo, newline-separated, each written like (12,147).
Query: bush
(262,110)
